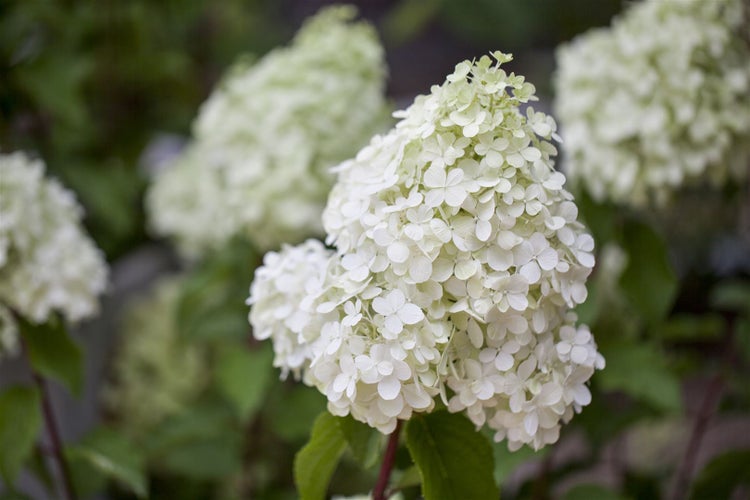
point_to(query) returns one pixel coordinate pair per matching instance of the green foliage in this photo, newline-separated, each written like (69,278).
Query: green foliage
(53,353)
(294,426)
(507,461)
(592,492)
(454,460)
(201,443)
(315,463)
(115,457)
(363,440)
(244,376)
(648,281)
(20,423)
(641,371)
(212,305)
(723,475)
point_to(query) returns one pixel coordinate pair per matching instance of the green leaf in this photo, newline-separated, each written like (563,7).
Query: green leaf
(315,463)
(723,475)
(20,423)
(363,440)
(212,304)
(203,442)
(244,376)
(690,327)
(600,218)
(115,457)
(592,492)
(641,371)
(408,479)
(454,460)
(53,353)
(648,281)
(732,296)
(507,461)
(294,426)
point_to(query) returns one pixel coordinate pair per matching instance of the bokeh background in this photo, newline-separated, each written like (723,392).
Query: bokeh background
(105,91)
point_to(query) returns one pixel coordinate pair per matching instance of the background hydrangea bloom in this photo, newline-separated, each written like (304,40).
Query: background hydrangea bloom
(265,140)
(47,262)
(155,373)
(660,99)
(459,256)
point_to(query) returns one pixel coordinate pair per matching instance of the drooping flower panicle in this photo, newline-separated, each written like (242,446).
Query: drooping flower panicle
(48,264)
(658,101)
(265,140)
(458,258)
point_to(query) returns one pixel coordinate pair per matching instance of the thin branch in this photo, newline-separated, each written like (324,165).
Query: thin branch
(708,407)
(379,493)
(56,446)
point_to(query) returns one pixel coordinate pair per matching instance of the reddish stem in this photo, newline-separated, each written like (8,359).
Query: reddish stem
(379,493)
(56,446)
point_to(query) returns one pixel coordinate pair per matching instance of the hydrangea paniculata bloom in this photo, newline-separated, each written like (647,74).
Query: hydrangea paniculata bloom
(266,139)
(458,259)
(659,100)
(155,373)
(48,263)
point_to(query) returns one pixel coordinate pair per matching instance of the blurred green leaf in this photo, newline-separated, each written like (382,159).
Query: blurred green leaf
(115,457)
(202,442)
(244,376)
(307,403)
(407,19)
(684,327)
(641,371)
(732,296)
(20,423)
(600,218)
(454,460)
(648,279)
(507,461)
(53,353)
(408,478)
(212,305)
(592,492)
(315,463)
(363,440)
(723,475)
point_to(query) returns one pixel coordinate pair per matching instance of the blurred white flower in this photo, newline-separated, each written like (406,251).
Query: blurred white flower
(156,374)
(464,294)
(659,100)
(265,140)
(48,263)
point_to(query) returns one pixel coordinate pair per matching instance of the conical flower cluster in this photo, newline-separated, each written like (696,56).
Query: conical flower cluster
(658,101)
(47,262)
(458,257)
(266,139)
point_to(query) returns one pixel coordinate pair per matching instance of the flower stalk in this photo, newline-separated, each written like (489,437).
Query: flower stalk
(380,493)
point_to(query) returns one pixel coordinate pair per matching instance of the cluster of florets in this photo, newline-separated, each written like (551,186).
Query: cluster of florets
(659,100)
(265,141)
(156,374)
(458,256)
(47,262)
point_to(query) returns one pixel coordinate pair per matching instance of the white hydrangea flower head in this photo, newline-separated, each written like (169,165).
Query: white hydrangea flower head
(48,263)
(155,373)
(266,139)
(658,101)
(280,285)
(458,259)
